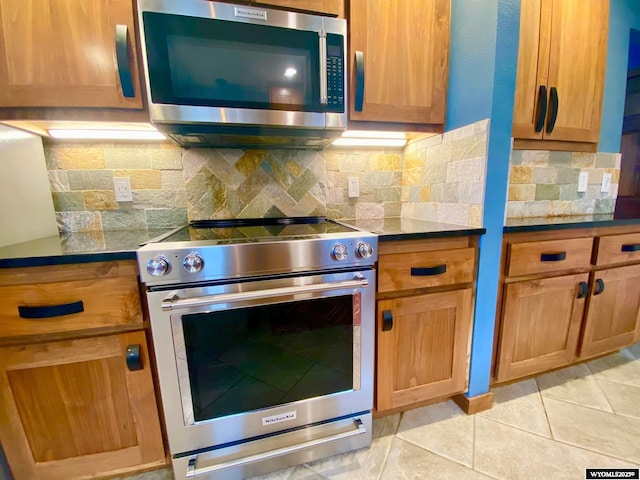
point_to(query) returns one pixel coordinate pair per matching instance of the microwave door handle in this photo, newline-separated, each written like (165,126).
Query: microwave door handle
(175,302)
(324,100)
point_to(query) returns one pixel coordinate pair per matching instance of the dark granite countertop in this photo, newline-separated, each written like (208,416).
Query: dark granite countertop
(80,247)
(396,228)
(539,224)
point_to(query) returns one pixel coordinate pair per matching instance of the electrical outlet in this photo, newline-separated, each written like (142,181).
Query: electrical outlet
(606,183)
(354,187)
(583,181)
(122,187)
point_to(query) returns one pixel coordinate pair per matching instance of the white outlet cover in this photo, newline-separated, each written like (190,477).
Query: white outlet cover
(583,181)
(354,187)
(606,183)
(122,188)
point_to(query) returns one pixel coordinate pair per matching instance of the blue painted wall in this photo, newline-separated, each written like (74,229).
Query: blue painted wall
(624,15)
(483,62)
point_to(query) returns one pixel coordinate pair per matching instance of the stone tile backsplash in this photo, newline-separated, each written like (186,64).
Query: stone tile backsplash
(543,183)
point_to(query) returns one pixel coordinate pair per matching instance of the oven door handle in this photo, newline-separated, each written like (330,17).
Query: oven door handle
(175,302)
(193,472)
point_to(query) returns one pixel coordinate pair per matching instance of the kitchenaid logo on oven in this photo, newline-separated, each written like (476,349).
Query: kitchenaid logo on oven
(282,417)
(251,13)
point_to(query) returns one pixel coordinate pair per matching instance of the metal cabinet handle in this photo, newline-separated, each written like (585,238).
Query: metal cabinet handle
(553,115)
(50,311)
(134,361)
(123,61)
(631,247)
(599,286)
(193,471)
(428,271)
(541,109)
(387,320)
(583,289)
(176,302)
(553,257)
(324,95)
(359,101)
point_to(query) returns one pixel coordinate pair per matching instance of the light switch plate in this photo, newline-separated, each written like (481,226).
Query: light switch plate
(354,187)
(122,187)
(606,183)
(583,181)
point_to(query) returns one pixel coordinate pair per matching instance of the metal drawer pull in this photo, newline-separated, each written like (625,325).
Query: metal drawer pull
(123,61)
(387,320)
(134,361)
(428,271)
(553,257)
(631,247)
(50,311)
(599,286)
(177,302)
(584,289)
(193,472)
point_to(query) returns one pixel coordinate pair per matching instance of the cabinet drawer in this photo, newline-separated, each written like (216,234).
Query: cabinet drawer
(549,256)
(68,305)
(618,248)
(405,271)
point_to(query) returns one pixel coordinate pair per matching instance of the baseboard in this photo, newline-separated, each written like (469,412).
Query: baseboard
(472,405)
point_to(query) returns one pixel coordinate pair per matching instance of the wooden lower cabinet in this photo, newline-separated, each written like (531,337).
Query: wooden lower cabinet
(425,354)
(613,317)
(72,409)
(540,325)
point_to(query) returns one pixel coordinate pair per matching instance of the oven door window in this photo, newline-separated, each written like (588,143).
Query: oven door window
(218,63)
(257,357)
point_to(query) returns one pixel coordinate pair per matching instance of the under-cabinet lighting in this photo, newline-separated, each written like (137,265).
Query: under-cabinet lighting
(374,134)
(370,142)
(103,134)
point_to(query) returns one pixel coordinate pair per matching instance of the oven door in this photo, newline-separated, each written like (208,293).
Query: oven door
(247,359)
(209,62)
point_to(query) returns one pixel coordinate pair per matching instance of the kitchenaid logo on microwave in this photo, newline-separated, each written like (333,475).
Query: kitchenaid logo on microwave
(251,13)
(282,417)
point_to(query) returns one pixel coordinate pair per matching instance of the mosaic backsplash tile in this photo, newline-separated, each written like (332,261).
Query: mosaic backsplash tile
(543,183)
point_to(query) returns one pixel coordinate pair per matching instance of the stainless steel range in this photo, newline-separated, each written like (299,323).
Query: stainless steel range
(263,331)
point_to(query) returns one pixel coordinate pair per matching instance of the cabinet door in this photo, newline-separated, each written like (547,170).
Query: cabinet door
(330,7)
(426,352)
(62,53)
(72,409)
(613,318)
(405,48)
(577,61)
(540,325)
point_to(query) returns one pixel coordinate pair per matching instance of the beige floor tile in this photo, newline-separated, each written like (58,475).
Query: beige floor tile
(624,399)
(304,473)
(163,474)
(363,464)
(409,462)
(633,350)
(595,430)
(519,405)
(385,425)
(509,453)
(441,428)
(621,367)
(574,384)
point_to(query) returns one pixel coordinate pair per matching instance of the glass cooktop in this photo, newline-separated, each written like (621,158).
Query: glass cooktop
(244,230)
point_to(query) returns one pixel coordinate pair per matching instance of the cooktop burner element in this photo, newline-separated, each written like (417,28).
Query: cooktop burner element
(210,250)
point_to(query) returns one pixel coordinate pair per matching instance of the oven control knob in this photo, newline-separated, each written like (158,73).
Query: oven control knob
(365,250)
(339,252)
(193,263)
(157,266)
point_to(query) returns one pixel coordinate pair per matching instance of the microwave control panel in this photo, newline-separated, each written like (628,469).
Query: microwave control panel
(335,72)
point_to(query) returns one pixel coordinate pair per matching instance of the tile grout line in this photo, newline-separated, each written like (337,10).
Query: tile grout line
(434,453)
(604,395)
(544,408)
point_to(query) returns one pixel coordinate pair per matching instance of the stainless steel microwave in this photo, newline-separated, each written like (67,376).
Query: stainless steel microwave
(234,75)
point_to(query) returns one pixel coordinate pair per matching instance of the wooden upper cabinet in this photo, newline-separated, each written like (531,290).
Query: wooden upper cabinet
(328,7)
(401,50)
(73,409)
(62,53)
(561,66)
